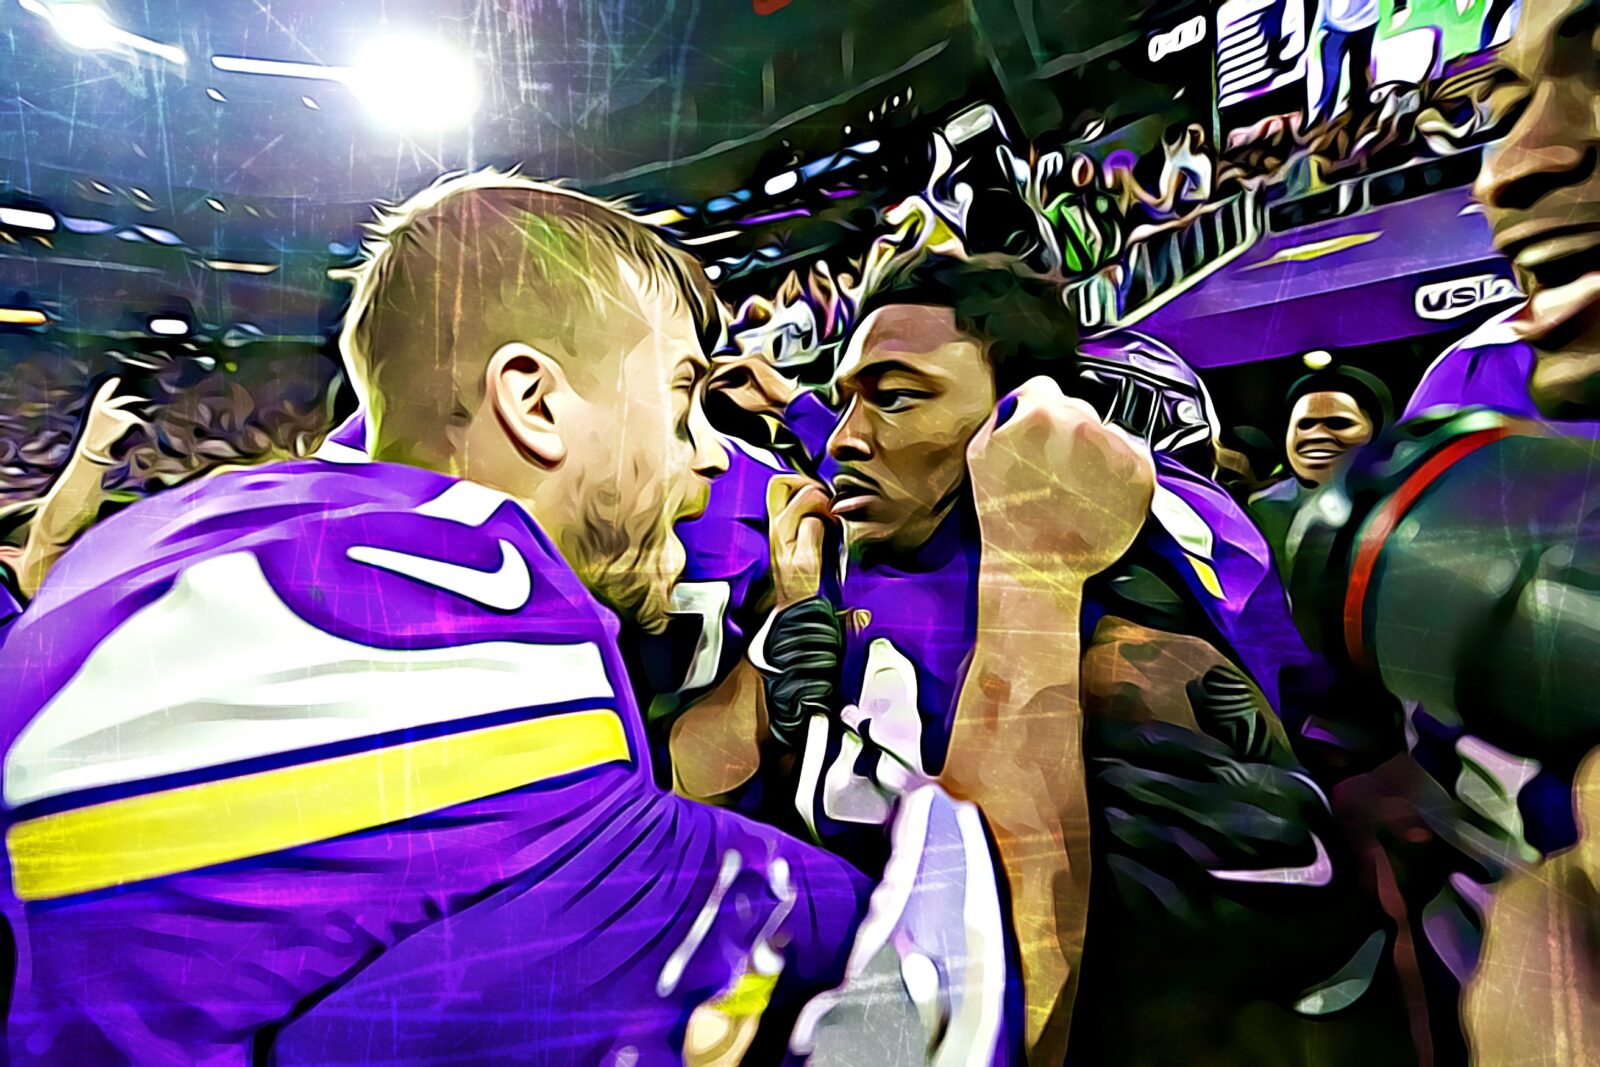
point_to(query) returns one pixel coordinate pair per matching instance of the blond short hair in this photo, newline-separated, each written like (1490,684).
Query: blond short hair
(484,258)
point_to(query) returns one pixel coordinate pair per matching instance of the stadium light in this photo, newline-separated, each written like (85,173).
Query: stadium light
(89,28)
(168,326)
(971,122)
(406,82)
(278,68)
(416,83)
(781,183)
(238,266)
(27,219)
(711,238)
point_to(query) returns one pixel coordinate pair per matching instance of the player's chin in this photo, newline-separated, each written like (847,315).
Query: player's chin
(862,528)
(662,576)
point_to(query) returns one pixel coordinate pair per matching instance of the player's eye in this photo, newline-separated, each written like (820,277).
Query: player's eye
(892,400)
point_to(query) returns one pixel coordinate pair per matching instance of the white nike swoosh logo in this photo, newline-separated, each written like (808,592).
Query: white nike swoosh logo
(505,589)
(1319,872)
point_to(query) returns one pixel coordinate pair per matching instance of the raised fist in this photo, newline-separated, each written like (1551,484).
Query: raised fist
(1060,495)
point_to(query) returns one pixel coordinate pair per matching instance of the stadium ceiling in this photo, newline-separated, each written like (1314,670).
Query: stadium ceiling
(660,98)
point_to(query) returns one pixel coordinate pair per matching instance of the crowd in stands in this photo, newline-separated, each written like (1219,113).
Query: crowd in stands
(205,407)
(1097,209)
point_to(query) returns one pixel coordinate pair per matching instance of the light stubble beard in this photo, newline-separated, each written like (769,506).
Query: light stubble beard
(625,557)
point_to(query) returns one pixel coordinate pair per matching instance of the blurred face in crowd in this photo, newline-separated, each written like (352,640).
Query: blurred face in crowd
(913,390)
(1322,428)
(1541,190)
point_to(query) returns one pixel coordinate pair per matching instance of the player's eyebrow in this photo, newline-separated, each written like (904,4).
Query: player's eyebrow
(872,372)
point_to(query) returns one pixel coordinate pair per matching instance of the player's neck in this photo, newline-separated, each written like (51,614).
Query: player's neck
(948,534)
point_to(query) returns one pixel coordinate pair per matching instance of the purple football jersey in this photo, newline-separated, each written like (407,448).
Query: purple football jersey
(1225,563)
(727,567)
(262,729)
(1488,368)
(812,421)
(910,626)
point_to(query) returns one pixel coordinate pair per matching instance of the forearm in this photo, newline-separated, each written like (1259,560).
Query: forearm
(1535,995)
(1016,751)
(715,744)
(67,510)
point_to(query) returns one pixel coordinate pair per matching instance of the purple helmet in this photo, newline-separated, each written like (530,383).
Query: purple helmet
(1145,387)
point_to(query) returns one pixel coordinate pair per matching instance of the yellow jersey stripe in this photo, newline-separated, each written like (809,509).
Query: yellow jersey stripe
(184,829)
(1208,577)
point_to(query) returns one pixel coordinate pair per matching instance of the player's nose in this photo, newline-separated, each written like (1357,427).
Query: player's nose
(849,440)
(710,458)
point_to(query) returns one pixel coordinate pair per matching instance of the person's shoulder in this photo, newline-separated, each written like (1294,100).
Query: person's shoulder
(299,605)
(380,553)
(1488,367)
(1496,332)
(348,441)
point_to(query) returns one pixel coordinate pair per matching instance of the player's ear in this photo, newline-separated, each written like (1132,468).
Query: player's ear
(527,387)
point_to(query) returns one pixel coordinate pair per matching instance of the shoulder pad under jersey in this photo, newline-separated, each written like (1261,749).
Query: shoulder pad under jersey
(289,607)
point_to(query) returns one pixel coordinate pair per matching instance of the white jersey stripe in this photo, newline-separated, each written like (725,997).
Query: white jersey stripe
(147,703)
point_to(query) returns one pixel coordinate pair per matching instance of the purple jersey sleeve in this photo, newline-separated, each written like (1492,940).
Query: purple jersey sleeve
(348,441)
(262,729)
(811,420)
(10,606)
(1228,568)
(1489,368)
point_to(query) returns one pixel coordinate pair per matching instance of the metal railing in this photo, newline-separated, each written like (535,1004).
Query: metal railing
(1156,268)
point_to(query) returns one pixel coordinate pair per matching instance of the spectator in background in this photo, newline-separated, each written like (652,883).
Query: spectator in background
(1189,172)
(76,496)
(1188,178)
(1349,28)
(1331,414)
(1086,220)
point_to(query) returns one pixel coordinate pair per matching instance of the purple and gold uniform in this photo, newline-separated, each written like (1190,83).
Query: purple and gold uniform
(1239,904)
(260,730)
(1489,368)
(910,627)
(728,562)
